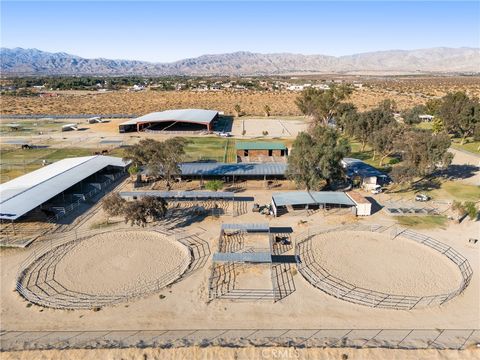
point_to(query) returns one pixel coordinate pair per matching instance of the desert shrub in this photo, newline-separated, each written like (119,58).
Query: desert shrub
(470,209)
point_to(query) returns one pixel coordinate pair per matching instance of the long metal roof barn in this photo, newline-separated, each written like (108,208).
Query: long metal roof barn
(199,116)
(26,192)
(225,169)
(311,197)
(180,194)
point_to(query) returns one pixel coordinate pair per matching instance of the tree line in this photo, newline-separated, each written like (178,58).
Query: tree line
(314,162)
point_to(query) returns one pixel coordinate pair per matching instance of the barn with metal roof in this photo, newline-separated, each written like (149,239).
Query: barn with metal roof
(172,120)
(49,193)
(261,151)
(284,202)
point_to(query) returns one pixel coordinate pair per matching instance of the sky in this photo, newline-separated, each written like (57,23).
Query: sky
(161,31)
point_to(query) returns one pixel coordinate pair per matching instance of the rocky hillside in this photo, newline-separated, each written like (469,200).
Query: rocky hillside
(20,61)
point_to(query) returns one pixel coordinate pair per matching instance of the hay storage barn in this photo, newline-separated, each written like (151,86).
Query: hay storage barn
(172,120)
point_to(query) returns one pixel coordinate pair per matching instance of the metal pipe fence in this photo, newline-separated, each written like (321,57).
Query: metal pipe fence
(36,283)
(24,237)
(440,339)
(319,277)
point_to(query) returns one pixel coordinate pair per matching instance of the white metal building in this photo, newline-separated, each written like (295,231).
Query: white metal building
(27,192)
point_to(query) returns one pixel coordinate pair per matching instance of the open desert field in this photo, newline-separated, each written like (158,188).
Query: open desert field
(405,91)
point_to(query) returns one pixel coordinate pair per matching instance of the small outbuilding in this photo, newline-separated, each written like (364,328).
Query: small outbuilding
(261,151)
(292,201)
(364,207)
(364,174)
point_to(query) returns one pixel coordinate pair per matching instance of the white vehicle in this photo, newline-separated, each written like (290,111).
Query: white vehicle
(224,134)
(422,197)
(377,190)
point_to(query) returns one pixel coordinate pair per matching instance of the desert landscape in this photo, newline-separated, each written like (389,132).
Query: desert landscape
(239,180)
(405,91)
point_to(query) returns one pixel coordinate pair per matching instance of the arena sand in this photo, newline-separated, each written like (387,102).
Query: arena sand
(396,266)
(116,262)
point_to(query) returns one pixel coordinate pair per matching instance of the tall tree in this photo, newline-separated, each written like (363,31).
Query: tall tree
(315,158)
(460,114)
(347,114)
(148,208)
(422,152)
(411,116)
(322,105)
(385,141)
(113,205)
(162,158)
(369,122)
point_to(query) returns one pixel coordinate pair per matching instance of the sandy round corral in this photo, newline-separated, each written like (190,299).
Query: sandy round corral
(117,262)
(395,266)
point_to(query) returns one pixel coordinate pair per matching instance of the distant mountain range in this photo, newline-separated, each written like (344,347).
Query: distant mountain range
(20,61)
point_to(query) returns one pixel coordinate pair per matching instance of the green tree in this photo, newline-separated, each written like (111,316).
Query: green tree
(148,208)
(214,185)
(322,105)
(411,116)
(422,153)
(347,115)
(437,125)
(460,114)
(315,158)
(368,123)
(113,205)
(432,106)
(161,158)
(385,140)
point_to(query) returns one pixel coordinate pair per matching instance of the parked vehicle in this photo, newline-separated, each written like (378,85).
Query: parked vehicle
(376,190)
(422,197)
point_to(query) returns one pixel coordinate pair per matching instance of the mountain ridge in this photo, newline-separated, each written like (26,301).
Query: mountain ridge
(19,61)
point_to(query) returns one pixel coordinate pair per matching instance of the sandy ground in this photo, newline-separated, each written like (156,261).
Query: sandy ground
(251,353)
(274,127)
(462,158)
(373,261)
(116,262)
(186,305)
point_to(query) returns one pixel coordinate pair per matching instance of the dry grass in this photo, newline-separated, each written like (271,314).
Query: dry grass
(406,92)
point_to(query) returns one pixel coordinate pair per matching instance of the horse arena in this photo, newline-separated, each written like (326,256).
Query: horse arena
(367,266)
(105,268)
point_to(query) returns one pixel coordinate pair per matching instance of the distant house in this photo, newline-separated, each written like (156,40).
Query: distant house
(368,176)
(261,151)
(94,120)
(426,117)
(69,127)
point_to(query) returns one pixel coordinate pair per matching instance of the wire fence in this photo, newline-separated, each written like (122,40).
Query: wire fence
(441,339)
(23,236)
(36,277)
(319,277)
(67,116)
